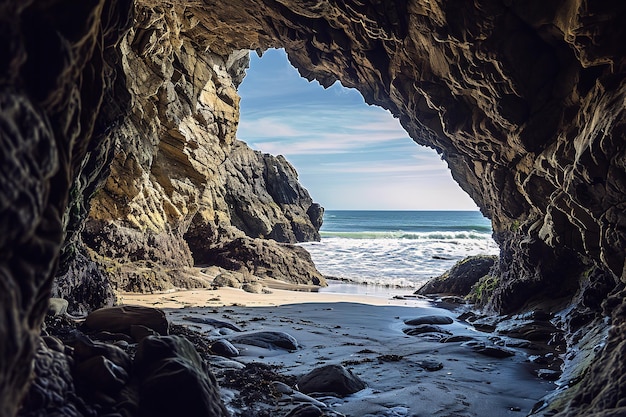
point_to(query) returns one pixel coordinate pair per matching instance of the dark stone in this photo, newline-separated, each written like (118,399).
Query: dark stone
(267,340)
(120,319)
(99,374)
(175,387)
(429,320)
(460,279)
(331,379)
(224,348)
(533,331)
(85,349)
(430,365)
(306,410)
(173,380)
(425,328)
(549,374)
(138,332)
(218,324)
(153,349)
(453,339)
(491,351)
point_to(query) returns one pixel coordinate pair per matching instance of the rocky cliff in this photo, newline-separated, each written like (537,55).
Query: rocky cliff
(524,100)
(179,185)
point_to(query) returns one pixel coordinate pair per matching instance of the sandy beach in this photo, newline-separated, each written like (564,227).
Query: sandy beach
(436,373)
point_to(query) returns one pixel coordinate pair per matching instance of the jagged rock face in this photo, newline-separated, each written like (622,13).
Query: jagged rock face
(55,70)
(179,184)
(524,101)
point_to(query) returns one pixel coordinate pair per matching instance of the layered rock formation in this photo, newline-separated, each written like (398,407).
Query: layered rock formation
(180,186)
(524,100)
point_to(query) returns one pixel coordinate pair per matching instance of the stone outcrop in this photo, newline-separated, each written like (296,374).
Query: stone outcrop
(525,102)
(179,184)
(460,279)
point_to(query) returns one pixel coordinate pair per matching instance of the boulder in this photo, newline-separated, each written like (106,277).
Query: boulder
(173,380)
(227,279)
(265,259)
(267,340)
(57,306)
(331,379)
(253,287)
(429,320)
(460,279)
(425,328)
(121,319)
(224,348)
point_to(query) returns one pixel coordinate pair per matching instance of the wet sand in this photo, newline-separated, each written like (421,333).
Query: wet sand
(405,375)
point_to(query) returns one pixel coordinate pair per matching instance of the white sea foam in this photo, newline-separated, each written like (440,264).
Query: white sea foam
(396,261)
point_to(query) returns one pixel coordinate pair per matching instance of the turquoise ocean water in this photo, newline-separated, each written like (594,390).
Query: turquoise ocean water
(398,248)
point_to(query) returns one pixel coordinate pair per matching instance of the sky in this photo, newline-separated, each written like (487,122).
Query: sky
(349,155)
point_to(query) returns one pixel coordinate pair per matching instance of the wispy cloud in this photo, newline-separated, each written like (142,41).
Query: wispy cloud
(348,154)
(390,167)
(321,132)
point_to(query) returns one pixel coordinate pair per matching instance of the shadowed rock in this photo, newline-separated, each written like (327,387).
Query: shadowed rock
(460,279)
(121,319)
(331,379)
(429,320)
(268,340)
(174,380)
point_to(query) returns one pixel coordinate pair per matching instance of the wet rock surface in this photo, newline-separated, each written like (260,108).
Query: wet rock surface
(268,340)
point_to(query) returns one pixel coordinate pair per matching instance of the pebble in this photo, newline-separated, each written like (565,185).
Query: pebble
(430,365)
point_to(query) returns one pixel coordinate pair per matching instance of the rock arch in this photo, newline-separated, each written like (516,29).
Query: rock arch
(524,101)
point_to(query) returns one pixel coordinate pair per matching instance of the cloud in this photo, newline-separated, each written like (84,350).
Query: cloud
(306,132)
(348,154)
(386,168)
(268,128)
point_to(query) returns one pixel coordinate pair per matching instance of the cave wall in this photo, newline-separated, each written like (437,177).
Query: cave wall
(55,69)
(523,99)
(180,186)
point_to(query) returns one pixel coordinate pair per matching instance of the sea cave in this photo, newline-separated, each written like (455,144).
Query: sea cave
(121,169)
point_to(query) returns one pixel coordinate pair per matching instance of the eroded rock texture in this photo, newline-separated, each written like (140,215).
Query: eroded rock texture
(55,70)
(524,100)
(180,186)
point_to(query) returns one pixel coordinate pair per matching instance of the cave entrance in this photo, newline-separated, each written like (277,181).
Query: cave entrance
(394,215)
(348,154)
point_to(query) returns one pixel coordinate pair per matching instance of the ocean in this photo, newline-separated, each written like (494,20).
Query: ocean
(398,248)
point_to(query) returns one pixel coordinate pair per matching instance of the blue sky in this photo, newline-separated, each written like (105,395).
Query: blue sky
(349,155)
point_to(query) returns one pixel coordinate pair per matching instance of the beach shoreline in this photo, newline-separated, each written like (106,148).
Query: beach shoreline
(336,291)
(439,373)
